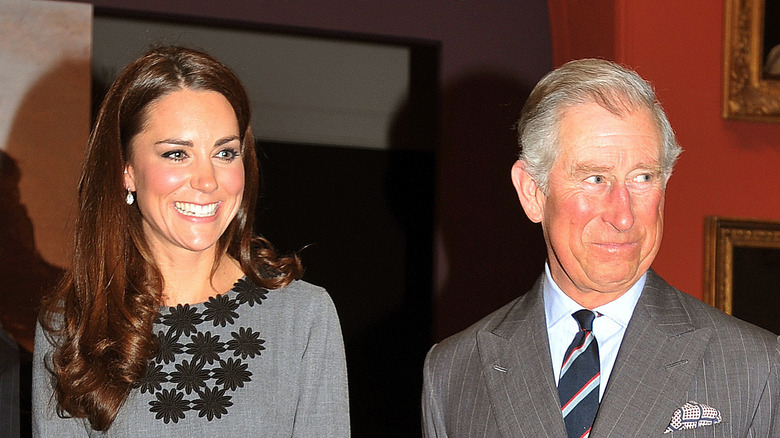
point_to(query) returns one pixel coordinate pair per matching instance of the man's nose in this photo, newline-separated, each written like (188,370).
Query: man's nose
(619,210)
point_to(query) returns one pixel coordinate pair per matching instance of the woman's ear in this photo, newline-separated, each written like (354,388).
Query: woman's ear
(129,178)
(530,194)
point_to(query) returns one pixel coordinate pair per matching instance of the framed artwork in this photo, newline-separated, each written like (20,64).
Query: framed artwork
(742,269)
(751,61)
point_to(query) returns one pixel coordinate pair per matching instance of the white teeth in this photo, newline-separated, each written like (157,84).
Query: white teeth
(196,210)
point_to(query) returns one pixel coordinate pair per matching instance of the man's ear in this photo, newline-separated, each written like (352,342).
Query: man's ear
(531,197)
(129,178)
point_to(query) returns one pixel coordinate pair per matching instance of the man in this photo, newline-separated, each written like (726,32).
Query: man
(601,346)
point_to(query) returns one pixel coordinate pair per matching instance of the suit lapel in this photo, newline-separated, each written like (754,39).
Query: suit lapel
(515,357)
(657,359)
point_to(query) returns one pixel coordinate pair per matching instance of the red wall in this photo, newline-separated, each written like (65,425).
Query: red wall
(729,168)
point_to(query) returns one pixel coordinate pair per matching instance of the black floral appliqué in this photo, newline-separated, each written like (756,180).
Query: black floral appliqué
(205,347)
(212,403)
(220,310)
(182,319)
(189,376)
(246,343)
(153,379)
(232,374)
(169,406)
(249,293)
(167,347)
(199,376)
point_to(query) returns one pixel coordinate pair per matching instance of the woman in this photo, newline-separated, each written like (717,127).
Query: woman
(176,320)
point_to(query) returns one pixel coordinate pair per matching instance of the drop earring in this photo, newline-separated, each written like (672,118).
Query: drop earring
(130,198)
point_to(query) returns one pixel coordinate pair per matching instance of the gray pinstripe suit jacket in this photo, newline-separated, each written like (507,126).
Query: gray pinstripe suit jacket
(495,378)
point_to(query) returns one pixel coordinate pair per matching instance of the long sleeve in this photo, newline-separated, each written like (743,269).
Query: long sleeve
(766,421)
(433,424)
(323,405)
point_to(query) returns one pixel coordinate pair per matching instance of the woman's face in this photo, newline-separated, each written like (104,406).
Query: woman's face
(186,171)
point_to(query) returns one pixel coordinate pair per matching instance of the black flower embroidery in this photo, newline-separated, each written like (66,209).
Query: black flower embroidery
(153,379)
(205,347)
(246,343)
(209,368)
(182,319)
(167,347)
(212,403)
(249,293)
(220,310)
(189,376)
(169,406)
(232,374)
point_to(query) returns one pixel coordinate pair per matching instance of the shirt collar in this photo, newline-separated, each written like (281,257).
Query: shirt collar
(558,305)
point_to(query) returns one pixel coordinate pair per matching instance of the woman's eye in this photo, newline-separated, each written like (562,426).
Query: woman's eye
(175,155)
(595,179)
(227,154)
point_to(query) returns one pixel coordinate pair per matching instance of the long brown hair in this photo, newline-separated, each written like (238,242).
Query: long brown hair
(101,316)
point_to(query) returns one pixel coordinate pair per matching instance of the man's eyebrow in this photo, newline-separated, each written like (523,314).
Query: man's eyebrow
(581,168)
(654,167)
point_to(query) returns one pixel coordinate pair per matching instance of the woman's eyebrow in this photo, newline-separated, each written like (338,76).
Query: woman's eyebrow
(226,140)
(175,141)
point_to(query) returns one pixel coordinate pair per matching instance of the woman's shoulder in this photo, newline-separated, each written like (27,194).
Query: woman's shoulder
(303,289)
(302,294)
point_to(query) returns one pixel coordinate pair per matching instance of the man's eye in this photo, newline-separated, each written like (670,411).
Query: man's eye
(645,177)
(595,179)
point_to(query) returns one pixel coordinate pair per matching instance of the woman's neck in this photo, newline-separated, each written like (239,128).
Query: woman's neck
(188,278)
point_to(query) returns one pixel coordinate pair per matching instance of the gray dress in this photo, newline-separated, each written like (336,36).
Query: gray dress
(250,362)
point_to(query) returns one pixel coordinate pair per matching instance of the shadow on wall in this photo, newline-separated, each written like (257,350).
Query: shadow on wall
(26,275)
(489,252)
(37,153)
(43,155)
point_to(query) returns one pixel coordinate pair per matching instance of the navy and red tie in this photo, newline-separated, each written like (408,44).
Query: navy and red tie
(578,385)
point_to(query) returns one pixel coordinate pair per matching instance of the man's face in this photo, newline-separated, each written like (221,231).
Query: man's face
(603,214)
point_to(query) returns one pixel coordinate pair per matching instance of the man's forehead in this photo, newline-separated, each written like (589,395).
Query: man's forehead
(593,138)
(594,121)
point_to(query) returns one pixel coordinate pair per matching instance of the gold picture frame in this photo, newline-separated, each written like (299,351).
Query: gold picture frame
(748,94)
(741,263)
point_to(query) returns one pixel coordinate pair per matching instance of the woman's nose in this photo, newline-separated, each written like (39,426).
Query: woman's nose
(204,178)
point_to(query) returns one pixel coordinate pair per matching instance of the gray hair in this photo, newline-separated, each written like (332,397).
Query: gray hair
(614,87)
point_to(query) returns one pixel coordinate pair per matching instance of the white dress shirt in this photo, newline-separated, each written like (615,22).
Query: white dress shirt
(609,327)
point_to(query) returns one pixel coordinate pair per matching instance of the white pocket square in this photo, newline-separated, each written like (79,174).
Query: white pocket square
(692,415)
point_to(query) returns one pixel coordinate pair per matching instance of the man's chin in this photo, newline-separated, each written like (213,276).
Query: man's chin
(612,279)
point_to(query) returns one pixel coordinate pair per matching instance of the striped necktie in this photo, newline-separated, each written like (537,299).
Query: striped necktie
(578,386)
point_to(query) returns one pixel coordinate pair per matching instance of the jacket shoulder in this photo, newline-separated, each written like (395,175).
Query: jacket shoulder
(463,345)
(726,327)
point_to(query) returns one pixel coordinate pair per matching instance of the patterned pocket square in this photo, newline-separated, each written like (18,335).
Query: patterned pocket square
(692,415)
